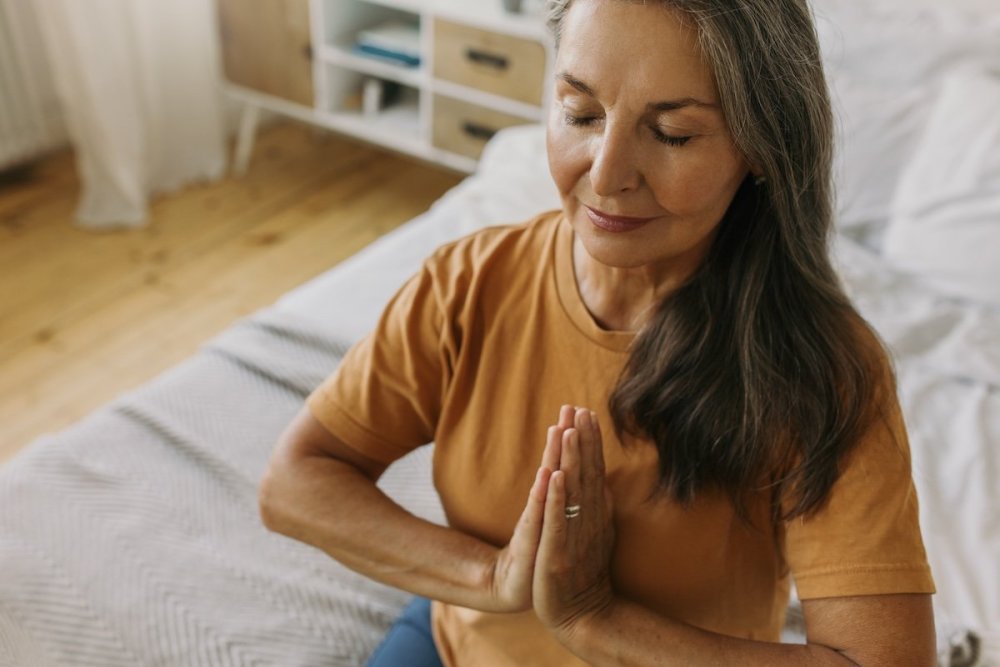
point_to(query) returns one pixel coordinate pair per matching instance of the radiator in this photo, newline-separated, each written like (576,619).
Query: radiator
(30,119)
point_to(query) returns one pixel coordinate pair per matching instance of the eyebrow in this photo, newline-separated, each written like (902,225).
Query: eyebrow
(667,105)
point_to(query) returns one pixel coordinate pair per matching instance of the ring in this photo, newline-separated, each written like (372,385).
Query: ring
(572,511)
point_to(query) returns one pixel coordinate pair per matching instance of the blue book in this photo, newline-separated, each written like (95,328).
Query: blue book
(395,41)
(394,57)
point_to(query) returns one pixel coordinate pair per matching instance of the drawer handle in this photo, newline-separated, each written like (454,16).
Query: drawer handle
(488,59)
(477,131)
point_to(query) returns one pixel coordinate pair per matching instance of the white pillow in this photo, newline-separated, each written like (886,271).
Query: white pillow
(885,60)
(945,223)
(904,42)
(876,133)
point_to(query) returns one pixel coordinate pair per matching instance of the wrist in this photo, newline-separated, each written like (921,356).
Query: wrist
(494,571)
(496,577)
(489,566)
(586,629)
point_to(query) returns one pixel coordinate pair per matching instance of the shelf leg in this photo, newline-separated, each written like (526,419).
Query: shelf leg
(246,137)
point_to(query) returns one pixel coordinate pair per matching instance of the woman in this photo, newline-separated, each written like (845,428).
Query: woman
(739,421)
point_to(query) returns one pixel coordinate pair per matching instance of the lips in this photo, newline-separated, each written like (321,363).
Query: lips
(615,223)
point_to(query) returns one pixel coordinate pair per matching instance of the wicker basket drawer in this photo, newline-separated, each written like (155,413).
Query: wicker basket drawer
(464,128)
(509,66)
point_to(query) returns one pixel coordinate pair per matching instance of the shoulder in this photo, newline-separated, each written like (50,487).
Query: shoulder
(848,413)
(508,250)
(874,361)
(498,240)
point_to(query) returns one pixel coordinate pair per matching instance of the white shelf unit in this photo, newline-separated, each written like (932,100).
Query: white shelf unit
(408,125)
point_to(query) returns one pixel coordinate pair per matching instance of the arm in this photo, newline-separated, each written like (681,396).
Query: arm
(574,598)
(865,630)
(320,491)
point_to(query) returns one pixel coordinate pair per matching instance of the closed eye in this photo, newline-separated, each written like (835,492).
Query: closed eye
(669,139)
(584,121)
(575,121)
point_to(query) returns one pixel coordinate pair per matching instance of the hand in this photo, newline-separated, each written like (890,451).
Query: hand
(513,571)
(572,579)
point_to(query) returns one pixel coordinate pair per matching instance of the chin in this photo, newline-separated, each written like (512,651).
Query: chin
(617,251)
(641,248)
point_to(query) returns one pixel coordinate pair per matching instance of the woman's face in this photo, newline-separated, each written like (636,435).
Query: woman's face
(636,130)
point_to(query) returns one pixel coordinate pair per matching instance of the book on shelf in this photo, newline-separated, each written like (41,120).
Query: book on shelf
(395,42)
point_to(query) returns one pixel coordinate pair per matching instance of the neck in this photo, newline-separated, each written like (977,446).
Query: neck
(622,299)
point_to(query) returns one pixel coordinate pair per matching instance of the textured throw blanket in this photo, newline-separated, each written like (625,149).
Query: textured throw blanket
(133,538)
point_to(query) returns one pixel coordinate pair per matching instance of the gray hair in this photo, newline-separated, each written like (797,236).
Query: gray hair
(765,58)
(760,359)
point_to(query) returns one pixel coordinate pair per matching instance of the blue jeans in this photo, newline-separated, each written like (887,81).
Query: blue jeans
(409,642)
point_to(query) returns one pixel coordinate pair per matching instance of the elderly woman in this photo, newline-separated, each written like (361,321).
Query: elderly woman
(652,408)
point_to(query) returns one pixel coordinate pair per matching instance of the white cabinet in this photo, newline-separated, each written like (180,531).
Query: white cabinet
(473,70)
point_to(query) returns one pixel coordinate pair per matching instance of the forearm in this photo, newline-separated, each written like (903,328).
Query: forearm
(629,634)
(334,507)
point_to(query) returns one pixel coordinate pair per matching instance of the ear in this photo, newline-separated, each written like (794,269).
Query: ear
(757,174)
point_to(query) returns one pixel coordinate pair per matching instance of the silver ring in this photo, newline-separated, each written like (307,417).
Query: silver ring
(572,511)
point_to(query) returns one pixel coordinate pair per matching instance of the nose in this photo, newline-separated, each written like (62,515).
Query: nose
(614,164)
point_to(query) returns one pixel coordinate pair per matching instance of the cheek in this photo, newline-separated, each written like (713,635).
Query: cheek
(691,184)
(566,154)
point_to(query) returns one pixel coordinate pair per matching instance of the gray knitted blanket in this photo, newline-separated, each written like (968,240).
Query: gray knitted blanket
(133,537)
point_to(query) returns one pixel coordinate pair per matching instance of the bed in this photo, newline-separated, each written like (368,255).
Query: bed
(132,538)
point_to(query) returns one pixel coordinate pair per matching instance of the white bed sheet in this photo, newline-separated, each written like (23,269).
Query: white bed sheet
(947,354)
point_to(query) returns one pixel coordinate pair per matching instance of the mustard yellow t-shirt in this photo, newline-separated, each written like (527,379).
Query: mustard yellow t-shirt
(477,352)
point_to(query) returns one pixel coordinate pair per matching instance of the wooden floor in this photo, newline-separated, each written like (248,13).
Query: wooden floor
(85,316)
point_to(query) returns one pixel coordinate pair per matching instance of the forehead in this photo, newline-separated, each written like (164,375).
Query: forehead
(640,48)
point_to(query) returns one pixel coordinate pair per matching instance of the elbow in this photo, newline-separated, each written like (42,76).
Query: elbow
(269,498)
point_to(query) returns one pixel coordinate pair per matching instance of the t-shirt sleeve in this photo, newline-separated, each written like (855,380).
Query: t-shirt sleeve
(866,540)
(385,397)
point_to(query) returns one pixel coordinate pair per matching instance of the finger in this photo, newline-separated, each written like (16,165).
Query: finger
(566,413)
(570,466)
(529,527)
(552,542)
(590,479)
(540,488)
(598,440)
(581,421)
(553,448)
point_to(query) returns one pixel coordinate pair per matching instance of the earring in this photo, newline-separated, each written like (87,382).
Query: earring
(759,181)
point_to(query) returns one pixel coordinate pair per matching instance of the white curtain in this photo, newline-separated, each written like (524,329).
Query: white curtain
(139,85)
(31,121)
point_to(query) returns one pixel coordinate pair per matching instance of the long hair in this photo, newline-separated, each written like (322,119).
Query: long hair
(758,375)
